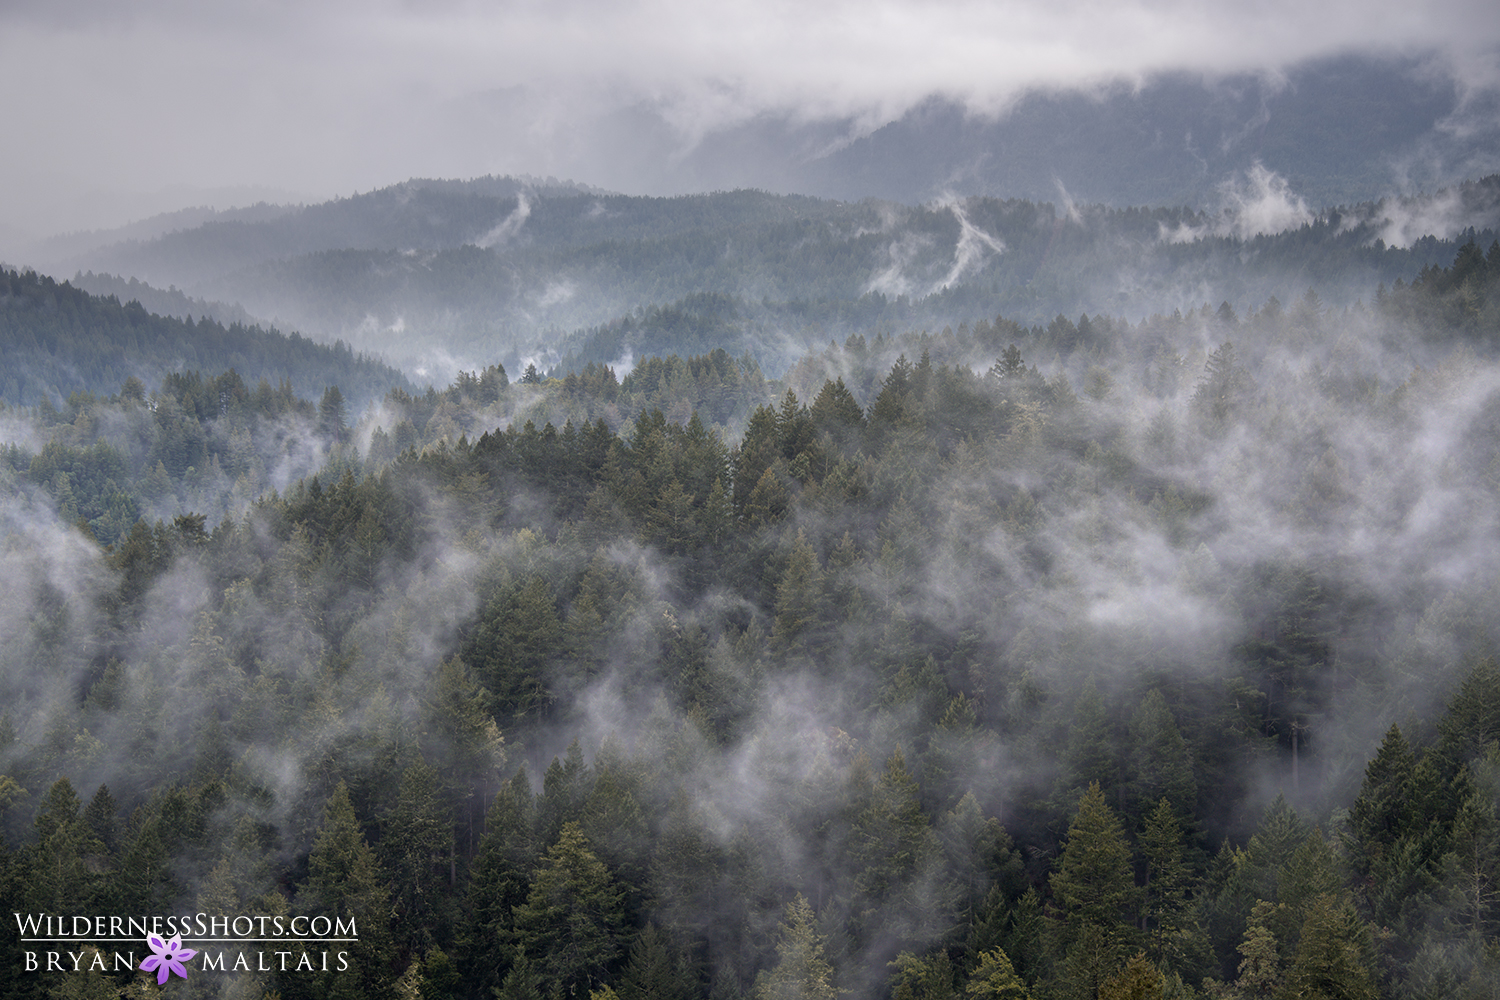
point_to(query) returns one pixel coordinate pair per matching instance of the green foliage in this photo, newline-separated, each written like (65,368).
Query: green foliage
(572,919)
(801,971)
(1093,885)
(345,882)
(995,979)
(60,340)
(302,699)
(1333,956)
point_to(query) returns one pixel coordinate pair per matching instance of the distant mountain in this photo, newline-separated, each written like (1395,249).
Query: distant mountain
(68,245)
(162,302)
(440,276)
(1338,131)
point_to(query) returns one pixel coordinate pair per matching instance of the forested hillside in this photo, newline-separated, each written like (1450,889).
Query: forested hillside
(1086,658)
(445,276)
(59,340)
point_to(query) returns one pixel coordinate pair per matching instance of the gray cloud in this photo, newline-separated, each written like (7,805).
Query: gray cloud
(170,102)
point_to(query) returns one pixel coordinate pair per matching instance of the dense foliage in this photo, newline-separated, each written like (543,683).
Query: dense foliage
(448,275)
(59,340)
(1087,659)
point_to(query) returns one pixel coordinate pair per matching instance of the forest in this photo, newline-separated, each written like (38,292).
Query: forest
(443,276)
(1092,658)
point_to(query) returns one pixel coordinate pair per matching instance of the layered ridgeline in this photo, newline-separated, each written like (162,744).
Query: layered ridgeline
(1087,659)
(56,340)
(446,275)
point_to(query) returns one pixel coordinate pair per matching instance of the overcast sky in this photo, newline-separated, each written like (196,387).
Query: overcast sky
(116,110)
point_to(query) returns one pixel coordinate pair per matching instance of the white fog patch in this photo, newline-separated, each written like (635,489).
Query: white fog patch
(441,366)
(376,417)
(892,280)
(556,293)
(17,430)
(1263,204)
(507,227)
(974,244)
(303,452)
(1069,207)
(1403,221)
(910,253)
(372,329)
(1259,203)
(888,217)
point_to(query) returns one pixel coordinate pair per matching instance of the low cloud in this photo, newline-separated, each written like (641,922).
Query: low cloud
(602,92)
(508,227)
(1258,203)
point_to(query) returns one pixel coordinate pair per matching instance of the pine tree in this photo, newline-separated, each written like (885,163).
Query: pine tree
(516,637)
(573,917)
(1092,754)
(1261,967)
(798,599)
(1160,761)
(416,852)
(896,852)
(1094,885)
(929,977)
(1382,814)
(768,502)
(464,734)
(565,787)
(1138,979)
(1333,957)
(1472,721)
(1222,390)
(838,418)
(522,982)
(1173,936)
(60,881)
(500,880)
(656,970)
(440,976)
(611,816)
(344,882)
(801,971)
(1472,864)
(995,979)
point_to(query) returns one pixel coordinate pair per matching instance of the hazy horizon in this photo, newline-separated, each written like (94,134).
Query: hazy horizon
(165,106)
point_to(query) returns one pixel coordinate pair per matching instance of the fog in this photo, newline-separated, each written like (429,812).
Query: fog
(351,97)
(1131,537)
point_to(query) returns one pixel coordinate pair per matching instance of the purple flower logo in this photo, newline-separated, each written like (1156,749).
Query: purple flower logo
(168,958)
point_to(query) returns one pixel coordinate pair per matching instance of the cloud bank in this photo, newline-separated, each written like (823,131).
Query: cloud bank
(174,101)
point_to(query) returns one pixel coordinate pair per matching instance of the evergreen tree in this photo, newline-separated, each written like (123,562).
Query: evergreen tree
(1333,957)
(1174,940)
(801,971)
(798,599)
(416,852)
(1092,753)
(522,982)
(572,918)
(1262,966)
(464,734)
(896,853)
(1093,886)
(656,971)
(60,881)
(1160,761)
(995,979)
(344,883)
(500,880)
(929,977)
